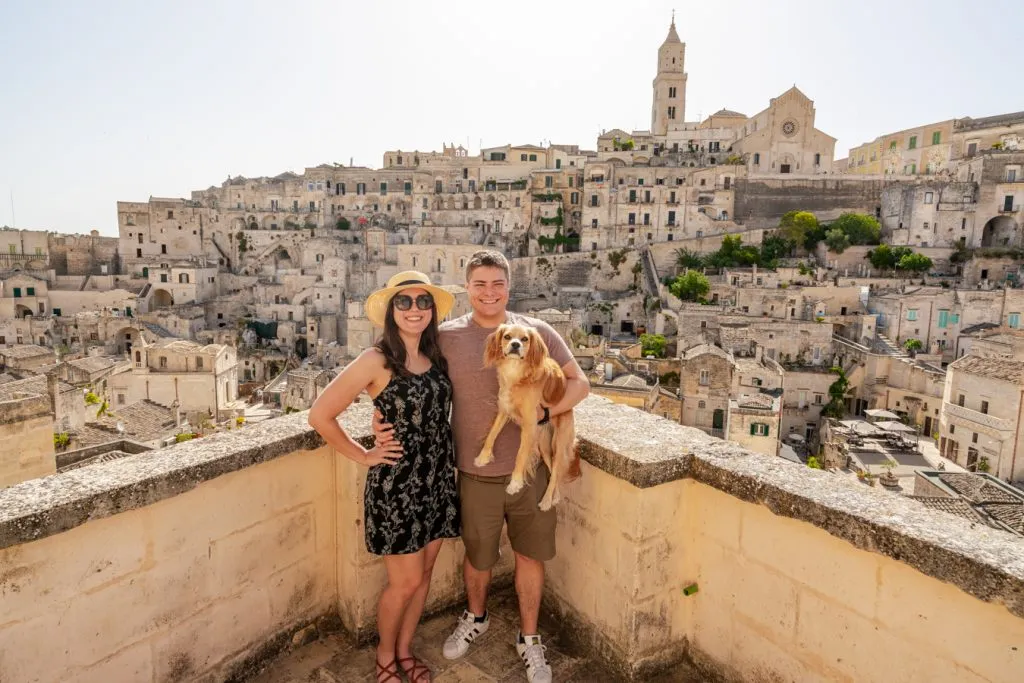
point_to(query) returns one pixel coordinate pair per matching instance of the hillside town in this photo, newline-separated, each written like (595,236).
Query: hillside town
(860,315)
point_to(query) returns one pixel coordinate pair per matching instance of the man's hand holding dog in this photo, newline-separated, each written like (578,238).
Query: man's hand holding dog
(384,434)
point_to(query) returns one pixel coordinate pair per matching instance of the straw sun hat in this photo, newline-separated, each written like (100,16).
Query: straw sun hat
(377,303)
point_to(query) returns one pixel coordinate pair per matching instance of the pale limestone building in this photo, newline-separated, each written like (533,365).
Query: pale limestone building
(977,204)
(27,420)
(199,379)
(936,148)
(983,416)
(732,397)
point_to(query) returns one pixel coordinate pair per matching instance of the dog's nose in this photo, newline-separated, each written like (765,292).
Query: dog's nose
(515,344)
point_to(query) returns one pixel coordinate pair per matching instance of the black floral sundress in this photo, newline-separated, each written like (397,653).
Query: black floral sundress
(411,503)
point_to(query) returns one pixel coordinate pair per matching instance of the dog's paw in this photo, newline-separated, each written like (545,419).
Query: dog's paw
(485,458)
(544,504)
(514,487)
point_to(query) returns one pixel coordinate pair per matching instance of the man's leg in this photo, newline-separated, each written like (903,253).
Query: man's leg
(478,581)
(529,589)
(482,503)
(532,534)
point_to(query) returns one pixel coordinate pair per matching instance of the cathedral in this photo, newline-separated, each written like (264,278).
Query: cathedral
(781,139)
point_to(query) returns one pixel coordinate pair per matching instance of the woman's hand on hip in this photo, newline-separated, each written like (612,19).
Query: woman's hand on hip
(388,454)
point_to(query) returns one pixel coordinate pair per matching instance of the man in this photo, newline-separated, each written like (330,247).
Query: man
(485,505)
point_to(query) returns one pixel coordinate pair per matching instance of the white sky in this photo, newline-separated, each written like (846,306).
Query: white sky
(105,101)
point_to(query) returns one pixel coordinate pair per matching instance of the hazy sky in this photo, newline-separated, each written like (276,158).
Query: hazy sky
(103,101)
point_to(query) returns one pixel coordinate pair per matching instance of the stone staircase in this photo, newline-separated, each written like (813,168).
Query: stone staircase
(889,347)
(650,271)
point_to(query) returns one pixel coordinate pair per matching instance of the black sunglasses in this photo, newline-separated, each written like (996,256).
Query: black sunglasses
(403,302)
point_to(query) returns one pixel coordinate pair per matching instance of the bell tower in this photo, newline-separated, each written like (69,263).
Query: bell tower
(670,84)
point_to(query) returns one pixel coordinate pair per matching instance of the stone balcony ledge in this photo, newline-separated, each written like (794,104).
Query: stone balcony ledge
(790,562)
(637,447)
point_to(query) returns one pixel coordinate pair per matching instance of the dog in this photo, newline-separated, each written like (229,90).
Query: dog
(527,378)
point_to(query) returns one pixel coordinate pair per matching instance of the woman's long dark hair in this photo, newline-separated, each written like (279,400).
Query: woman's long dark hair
(393,348)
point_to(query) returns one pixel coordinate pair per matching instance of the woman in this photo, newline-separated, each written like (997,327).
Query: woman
(410,497)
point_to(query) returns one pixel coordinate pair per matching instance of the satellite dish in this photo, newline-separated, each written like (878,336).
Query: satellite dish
(120,427)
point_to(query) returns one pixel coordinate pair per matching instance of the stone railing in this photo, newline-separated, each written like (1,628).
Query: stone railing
(204,560)
(977,417)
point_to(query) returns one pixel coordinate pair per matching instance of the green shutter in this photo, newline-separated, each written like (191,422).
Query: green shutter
(17,292)
(753,428)
(31,291)
(943,318)
(936,137)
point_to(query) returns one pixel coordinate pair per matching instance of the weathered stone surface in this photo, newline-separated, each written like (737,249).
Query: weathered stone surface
(637,447)
(42,507)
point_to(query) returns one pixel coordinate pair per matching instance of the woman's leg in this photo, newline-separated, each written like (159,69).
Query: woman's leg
(415,609)
(405,574)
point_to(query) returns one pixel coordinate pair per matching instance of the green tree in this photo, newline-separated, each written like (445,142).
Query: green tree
(690,286)
(915,263)
(796,226)
(652,345)
(859,228)
(733,253)
(813,463)
(837,240)
(913,345)
(688,259)
(342,224)
(773,247)
(836,406)
(885,257)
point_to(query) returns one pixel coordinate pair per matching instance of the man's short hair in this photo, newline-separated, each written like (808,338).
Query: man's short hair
(489,258)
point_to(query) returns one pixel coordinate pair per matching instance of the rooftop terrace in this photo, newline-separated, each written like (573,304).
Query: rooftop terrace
(242,556)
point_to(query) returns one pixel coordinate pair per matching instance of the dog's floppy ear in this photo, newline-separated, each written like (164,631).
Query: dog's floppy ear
(492,350)
(538,349)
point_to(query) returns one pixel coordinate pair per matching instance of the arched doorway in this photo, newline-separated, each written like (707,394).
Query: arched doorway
(1000,231)
(162,299)
(125,338)
(21,311)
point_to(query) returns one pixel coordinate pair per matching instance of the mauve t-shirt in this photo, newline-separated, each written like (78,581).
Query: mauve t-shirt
(475,399)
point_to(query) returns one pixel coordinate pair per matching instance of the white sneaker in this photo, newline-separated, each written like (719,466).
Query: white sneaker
(532,652)
(466,631)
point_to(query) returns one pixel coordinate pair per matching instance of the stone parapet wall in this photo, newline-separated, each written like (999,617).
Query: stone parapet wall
(27,422)
(201,561)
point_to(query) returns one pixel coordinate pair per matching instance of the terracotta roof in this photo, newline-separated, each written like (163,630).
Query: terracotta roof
(993,368)
(95,460)
(26,351)
(978,489)
(954,506)
(94,363)
(629,382)
(30,385)
(143,421)
(1009,514)
(760,401)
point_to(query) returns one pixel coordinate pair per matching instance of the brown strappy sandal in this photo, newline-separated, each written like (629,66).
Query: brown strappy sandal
(416,672)
(390,669)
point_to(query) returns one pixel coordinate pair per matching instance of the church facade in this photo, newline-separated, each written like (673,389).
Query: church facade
(781,139)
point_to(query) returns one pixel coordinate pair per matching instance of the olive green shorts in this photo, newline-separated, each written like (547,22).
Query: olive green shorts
(486,508)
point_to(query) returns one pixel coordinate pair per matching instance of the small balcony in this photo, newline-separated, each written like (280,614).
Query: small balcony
(680,557)
(977,418)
